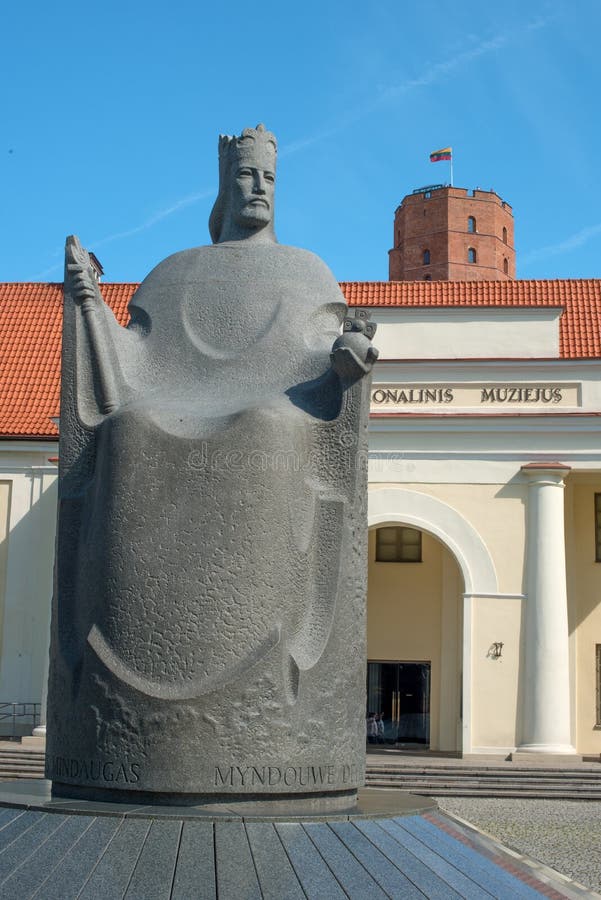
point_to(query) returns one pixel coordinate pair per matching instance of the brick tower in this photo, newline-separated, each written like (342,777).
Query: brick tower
(451,234)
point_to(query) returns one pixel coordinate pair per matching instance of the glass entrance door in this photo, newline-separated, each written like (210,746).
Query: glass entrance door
(400,693)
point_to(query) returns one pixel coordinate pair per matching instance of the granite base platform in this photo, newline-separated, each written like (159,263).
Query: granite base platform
(391,845)
(372,803)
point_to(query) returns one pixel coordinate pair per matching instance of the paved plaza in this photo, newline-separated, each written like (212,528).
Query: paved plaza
(562,834)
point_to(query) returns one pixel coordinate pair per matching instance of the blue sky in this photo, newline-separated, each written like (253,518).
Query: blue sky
(111,112)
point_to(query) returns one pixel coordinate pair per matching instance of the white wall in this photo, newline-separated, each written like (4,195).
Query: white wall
(443,333)
(27,573)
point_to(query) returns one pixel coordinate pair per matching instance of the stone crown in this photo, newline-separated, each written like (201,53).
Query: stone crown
(252,143)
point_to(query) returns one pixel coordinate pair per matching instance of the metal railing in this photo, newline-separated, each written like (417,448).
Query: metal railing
(18,718)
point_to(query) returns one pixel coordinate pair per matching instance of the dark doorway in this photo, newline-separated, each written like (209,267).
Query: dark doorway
(400,691)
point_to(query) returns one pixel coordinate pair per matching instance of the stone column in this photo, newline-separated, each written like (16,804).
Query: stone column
(546,708)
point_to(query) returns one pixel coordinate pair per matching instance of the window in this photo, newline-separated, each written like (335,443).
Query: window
(471,255)
(427,195)
(597,527)
(427,278)
(471,224)
(426,257)
(506,266)
(394,544)
(504,235)
(598,683)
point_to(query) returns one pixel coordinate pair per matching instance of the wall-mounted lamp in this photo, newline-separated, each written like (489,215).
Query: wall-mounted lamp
(495,651)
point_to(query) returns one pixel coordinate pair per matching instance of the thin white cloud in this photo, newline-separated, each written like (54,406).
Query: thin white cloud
(303,143)
(157,217)
(188,200)
(41,276)
(434,74)
(570,243)
(436,71)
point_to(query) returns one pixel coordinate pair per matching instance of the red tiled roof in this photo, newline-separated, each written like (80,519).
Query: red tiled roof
(31,320)
(579,326)
(31,317)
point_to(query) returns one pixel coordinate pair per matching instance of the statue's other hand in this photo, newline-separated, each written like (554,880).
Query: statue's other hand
(83,285)
(353,353)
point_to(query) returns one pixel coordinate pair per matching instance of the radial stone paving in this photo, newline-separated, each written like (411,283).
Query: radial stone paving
(54,856)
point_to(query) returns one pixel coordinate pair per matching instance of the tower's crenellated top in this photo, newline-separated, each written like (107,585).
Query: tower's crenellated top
(444,233)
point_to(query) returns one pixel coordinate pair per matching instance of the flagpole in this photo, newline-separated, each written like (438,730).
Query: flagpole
(451,162)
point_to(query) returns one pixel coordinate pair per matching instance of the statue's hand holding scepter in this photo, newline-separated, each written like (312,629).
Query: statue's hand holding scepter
(83,285)
(83,288)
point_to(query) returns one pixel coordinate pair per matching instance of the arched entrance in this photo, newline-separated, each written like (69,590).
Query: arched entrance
(425,563)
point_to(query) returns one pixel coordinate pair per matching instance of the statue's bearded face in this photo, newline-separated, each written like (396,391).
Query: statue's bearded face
(252,193)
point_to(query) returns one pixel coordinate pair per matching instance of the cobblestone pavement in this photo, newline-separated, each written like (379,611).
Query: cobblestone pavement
(562,834)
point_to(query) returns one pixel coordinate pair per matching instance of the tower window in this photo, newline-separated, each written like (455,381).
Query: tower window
(427,278)
(471,255)
(394,544)
(504,235)
(506,266)
(471,224)
(427,195)
(426,257)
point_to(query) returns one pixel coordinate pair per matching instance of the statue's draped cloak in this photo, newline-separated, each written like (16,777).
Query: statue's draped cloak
(209,572)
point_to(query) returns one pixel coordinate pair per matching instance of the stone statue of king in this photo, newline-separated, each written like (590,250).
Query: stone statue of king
(208,636)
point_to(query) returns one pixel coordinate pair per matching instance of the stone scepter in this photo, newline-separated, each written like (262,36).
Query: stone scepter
(208,626)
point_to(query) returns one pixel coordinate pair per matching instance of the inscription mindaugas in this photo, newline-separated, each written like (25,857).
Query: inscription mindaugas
(108,771)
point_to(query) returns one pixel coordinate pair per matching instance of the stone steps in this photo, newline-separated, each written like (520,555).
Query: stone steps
(439,780)
(490,788)
(564,784)
(20,763)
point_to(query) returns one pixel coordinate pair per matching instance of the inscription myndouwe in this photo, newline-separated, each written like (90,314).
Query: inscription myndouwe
(291,776)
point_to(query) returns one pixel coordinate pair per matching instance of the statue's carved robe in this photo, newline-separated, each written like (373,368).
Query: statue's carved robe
(208,576)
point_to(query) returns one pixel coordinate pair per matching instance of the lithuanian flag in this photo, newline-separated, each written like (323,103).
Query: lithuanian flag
(445,153)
